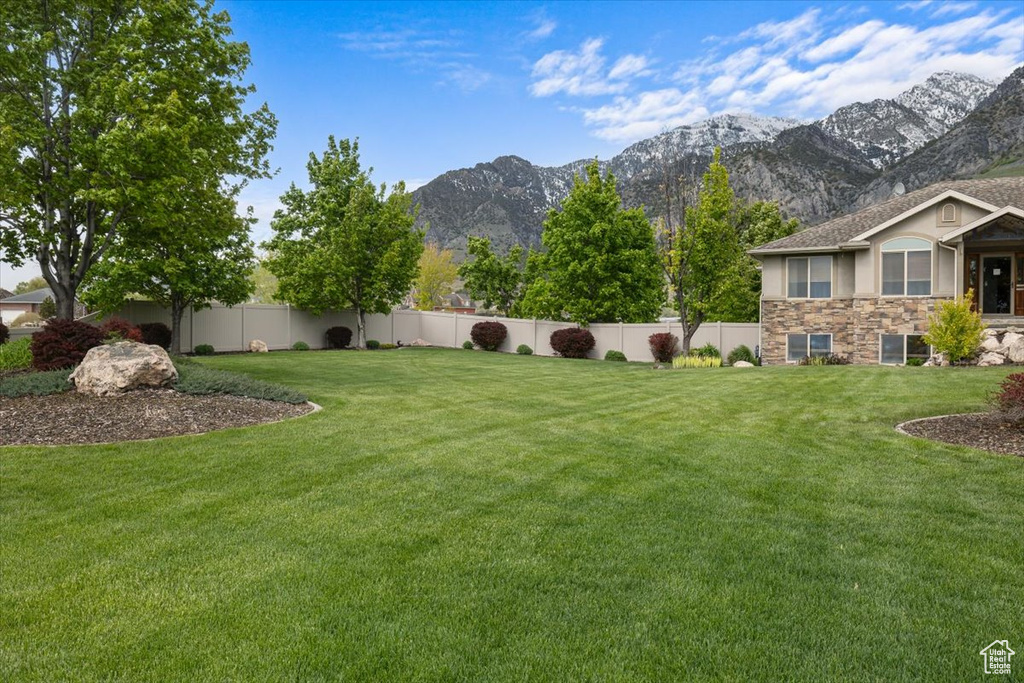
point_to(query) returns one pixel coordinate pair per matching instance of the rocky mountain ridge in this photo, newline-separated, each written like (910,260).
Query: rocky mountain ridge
(815,170)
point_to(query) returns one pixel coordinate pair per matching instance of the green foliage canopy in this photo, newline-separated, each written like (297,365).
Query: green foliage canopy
(601,264)
(497,281)
(344,243)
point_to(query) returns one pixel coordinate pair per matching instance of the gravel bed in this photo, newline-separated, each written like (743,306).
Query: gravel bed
(987,431)
(74,418)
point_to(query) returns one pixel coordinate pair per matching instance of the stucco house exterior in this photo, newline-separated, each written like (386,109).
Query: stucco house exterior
(863,285)
(29,302)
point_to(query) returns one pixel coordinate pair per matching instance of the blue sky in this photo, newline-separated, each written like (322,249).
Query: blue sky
(433,86)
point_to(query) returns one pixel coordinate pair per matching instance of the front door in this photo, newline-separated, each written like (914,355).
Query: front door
(997,284)
(1018,294)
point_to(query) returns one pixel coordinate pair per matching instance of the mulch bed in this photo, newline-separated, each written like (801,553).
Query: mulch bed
(987,431)
(74,418)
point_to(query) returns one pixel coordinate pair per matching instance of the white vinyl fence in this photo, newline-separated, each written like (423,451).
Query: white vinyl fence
(280,326)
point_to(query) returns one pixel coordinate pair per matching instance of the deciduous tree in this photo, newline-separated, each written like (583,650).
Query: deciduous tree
(436,277)
(497,281)
(30,285)
(105,105)
(344,243)
(601,264)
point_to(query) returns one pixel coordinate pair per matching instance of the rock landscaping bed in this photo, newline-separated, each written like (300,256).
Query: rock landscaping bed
(76,418)
(987,431)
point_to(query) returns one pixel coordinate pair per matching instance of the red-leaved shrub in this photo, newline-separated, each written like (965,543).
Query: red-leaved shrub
(157,334)
(4,333)
(63,344)
(1009,400)
(119,327)
(663,346)
(339,337)
(572,342)
(488,335)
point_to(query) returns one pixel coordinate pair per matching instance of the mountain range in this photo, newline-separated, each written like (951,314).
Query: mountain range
(952,125)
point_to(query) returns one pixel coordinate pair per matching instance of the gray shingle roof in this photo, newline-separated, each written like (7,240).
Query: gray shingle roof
(4,293)
(998,191)
(34,297)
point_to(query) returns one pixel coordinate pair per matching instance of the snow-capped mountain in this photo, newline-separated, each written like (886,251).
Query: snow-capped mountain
(886,131)
(815,170)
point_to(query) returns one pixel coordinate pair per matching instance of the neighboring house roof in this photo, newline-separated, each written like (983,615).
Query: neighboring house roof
(991,192)
(34,297)
(4,293)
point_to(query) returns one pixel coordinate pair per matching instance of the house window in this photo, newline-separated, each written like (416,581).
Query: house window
(948,213)
(799,346)
(896,349)
(907,267)
(810,277)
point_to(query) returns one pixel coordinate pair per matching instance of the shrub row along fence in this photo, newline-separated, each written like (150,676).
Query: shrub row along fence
(281,326)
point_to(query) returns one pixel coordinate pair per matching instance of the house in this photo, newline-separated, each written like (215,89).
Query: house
(4,293)
(13,306)
(863,285)
(456,303)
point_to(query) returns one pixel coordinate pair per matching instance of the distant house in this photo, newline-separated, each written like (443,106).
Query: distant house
(14,305)
(864,284)
(456,303)
(4,293)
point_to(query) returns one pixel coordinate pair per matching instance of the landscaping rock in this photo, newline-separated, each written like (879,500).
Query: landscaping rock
(258,346)
(418,342)
(742,364)
(990,359)
(939,359)
(991,344)
(114,369)
(1014,350)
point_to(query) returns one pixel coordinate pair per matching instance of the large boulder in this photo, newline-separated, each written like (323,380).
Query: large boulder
(742,364)
(1013,347)
(258,346)
(113,369)
(990,358)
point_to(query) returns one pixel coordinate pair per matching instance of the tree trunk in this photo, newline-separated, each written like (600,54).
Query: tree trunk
(689,328)
(360,328)
(177,312)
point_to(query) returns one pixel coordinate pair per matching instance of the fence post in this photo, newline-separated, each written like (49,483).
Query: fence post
(622,342)
(243,327)
(288,312)
(720,349)
(455,330)
(535,348)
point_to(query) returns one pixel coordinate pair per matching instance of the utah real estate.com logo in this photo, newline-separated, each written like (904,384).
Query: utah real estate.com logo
(997,657)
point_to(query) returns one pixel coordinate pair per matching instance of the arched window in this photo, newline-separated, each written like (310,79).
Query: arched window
(949,213)
(907,267)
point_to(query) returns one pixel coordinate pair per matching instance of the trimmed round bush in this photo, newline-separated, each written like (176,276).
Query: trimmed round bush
(156,334)
(203,350)
(339,337)
(372,344)
(572,342)
(63,344)
(121,329)
(468,345)
(488,335)
(524,350)
(663,346)
(612,354)
(709,350)
(5,334)
(741,352)
(300,346)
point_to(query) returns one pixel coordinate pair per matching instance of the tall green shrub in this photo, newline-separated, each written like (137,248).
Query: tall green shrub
(955,329)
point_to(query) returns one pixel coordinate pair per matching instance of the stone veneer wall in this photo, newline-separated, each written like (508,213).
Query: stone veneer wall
(853,323)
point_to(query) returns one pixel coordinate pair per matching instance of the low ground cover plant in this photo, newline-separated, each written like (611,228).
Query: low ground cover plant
(572,342)
(372,344)
(203,350)
(388,347)
(709,350)
(697,362)
(663,346)
(199,380)
(16,355)
(119,329)
(614,355)
(488,335)
(300,346)
(826,359)
(741,352)
(157,334)
(63,344)
(1009,398)
(339,337)
(524,350)
(36,383)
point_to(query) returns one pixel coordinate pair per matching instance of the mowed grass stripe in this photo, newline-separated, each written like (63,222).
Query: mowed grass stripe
(458,515)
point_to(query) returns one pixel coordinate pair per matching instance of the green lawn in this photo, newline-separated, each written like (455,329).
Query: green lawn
(455,515)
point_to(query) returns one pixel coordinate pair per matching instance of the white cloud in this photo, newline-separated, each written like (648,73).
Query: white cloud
(804,67)
(583,72)
(545,27)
